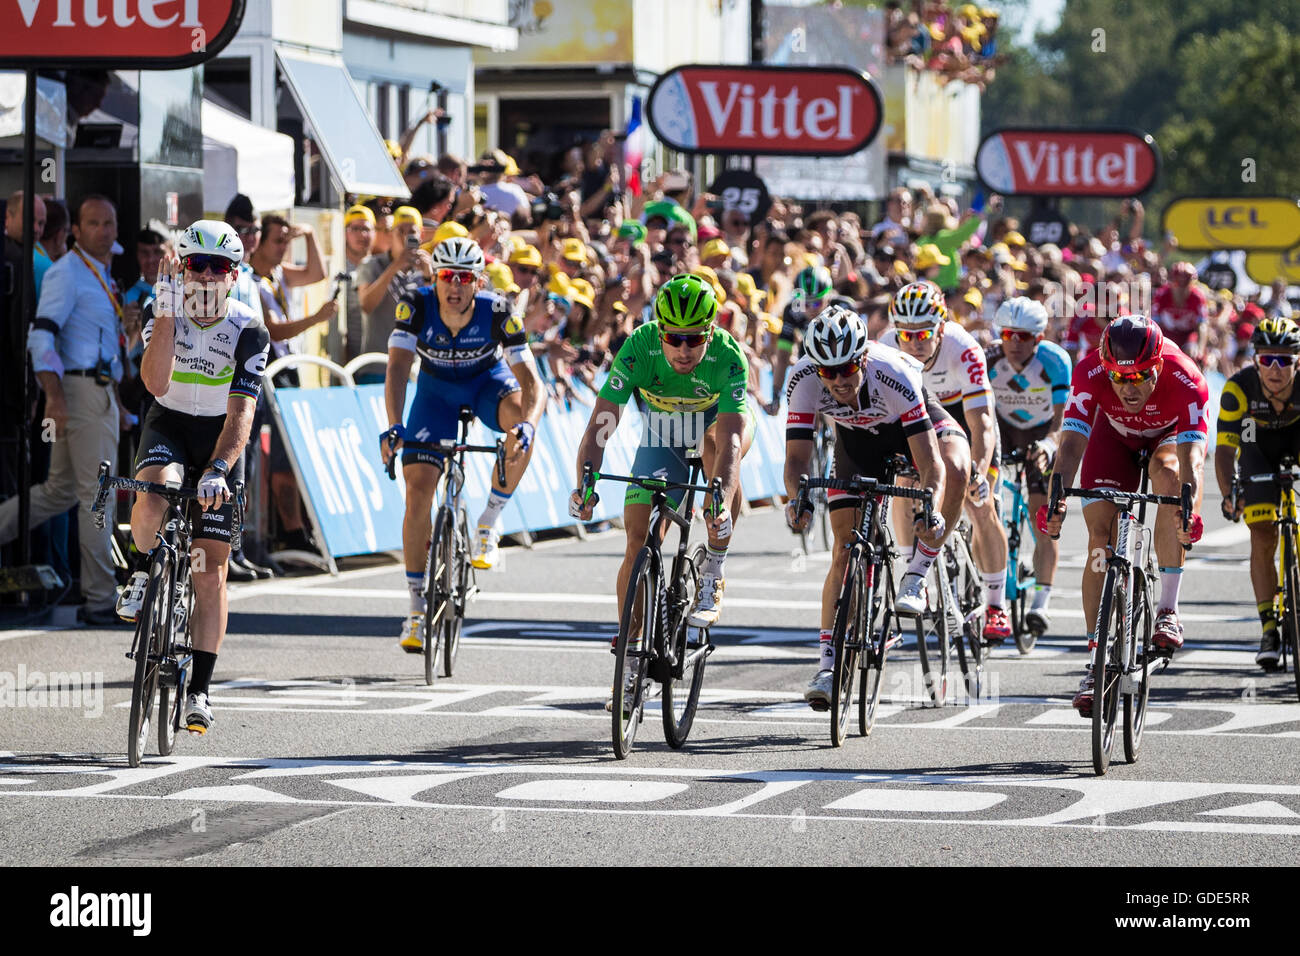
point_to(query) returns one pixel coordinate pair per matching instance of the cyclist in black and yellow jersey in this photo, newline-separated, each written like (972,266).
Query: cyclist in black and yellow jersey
(1259,419)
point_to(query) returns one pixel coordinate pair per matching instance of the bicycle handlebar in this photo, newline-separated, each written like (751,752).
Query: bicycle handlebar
(172,492)
(860,485)
(452,447)
(1183,500)
(590,476)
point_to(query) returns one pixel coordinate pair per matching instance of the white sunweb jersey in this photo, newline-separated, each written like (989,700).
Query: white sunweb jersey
(891,393)
(215,361)
(958,375)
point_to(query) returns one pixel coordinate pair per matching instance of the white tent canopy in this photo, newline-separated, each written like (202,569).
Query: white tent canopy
(240,157)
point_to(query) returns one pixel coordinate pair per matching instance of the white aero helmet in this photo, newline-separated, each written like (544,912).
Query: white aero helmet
(209,237)
(918,302)
(458,252)
(837,335)
(1022,315)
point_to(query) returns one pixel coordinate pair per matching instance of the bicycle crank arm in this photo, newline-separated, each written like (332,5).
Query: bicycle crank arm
(698,654)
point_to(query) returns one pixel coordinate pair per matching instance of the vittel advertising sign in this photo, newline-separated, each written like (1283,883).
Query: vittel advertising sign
(1106,164)
(765,110)
(115,34)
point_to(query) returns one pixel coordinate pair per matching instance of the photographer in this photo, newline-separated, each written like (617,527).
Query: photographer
(499,193)
(383,279)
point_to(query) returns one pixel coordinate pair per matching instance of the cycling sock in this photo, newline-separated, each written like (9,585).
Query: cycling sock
(140,559)
(995,586)
(922,558)
(204,662)
(1170,579)
(415,584)
(1267,618)
(1092,648)
(827,651)
(496,503)
(713,559)
(1042,594)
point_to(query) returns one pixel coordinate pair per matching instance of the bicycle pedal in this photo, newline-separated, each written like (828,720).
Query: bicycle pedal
(819,705)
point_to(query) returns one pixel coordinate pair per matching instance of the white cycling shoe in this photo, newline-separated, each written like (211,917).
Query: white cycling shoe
(198,714)
(818,691)
(131,598)
(488,548)
(1037,620)
(911,597)
(708,602)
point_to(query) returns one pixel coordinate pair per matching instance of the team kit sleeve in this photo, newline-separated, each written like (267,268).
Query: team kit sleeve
(913,415)
(250,360)
(734,378)
(975,391)
(1232,413)
(802,394)
(410,319)
(1056,363)
(631,360)
(508,329)
(1193,415)
(1081,407)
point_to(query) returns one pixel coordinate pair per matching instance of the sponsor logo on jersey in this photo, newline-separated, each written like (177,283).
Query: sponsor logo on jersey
(256,363)
(440,338)
(403,312)
(895,384)
(1078,400)
(738,393)
(514,325)
(222,337)
(616,383)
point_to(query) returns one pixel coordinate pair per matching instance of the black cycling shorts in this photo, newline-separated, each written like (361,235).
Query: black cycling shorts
(1012,437)
(168,437)
(1263,457)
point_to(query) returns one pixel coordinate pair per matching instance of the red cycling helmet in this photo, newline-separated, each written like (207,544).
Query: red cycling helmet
(1131,343)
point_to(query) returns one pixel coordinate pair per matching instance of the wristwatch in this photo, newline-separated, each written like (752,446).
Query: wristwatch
(219,466)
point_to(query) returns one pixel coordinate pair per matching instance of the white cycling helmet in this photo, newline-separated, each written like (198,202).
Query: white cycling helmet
(1022,315)
(837,335)
(458,253)
(918,302)
(209,237)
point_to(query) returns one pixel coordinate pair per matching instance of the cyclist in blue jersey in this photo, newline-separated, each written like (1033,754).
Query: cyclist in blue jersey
(473,352)
(1031,384)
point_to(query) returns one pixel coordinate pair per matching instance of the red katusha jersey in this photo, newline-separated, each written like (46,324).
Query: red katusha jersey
(1178,322)
(1177,404)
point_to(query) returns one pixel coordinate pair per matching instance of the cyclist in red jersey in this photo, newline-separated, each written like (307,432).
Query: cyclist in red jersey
(1084,333)
(1181,310)
(1137,391)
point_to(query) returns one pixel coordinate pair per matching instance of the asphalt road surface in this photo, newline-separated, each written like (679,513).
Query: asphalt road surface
(329,748)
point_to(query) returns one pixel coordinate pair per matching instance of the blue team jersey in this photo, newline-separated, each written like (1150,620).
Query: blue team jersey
(492,333)
(1027,398)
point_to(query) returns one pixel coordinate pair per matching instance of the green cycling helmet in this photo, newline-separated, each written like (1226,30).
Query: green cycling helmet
(814,282)
(686,303)
(674,214)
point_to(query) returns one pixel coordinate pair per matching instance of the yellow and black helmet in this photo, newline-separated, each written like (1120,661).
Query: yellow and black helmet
(1281,335)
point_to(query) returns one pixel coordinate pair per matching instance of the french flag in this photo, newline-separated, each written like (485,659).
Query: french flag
(634,149)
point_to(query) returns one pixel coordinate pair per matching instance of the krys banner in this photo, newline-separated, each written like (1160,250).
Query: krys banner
(767,110)
(1251,223)
(115,34)
(1101,163)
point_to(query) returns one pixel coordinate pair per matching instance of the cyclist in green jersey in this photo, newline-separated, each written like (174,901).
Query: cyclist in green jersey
(690,380)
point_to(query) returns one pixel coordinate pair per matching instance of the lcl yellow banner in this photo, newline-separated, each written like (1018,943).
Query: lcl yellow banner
(1269,223)
(1264,267)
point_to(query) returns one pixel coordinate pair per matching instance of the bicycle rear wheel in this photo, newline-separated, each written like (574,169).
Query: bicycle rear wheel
(1026,637)
(1139,670)
(632,653)
(152,629)
(681,692)
(436,578)
(848,638)
(935,661)
(1289,622)
(971,651)
(881,635)
(170,705)
(457,587)
(1106,671)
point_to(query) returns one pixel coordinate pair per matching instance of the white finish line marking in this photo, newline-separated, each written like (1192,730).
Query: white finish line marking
(925,800)
(594,791)
(1261,808)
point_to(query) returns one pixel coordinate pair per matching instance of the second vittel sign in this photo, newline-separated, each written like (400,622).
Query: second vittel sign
(1067,162)
(767,110)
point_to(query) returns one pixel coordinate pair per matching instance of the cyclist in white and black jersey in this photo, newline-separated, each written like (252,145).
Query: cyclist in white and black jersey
(954,371)
(1031,384)
(203,361)
(874,395)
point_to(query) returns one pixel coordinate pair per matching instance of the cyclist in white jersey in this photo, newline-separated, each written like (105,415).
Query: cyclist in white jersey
(955,372)
(1031,384)
(874,395)
(203,361)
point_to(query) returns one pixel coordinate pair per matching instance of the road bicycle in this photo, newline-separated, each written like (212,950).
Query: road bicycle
(655,642)
(866,620)
(965,595)
(1020,528)
(449,579)
(1125,616)
(161,647)
(1287,602)
(821,466)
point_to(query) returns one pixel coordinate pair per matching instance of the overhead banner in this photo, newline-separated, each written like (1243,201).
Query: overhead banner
(1269,223)
(1096,163)
(765,110)
(1267,267)
(121,34)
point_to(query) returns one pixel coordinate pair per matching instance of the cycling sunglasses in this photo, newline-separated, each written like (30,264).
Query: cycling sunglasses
(217,265)
(916,335)
(1131,378)
(457,277)
(832,372)
(690,340)
(1015,335)
(1273,360)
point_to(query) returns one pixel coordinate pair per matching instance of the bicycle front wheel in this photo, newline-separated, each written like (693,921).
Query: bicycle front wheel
(1107,669)
(881,634)
(436,597)
(152,629)
(1290,617)
(848,638)
(171,698)
(681,693)
(935,660)
(1138,669)
(457,575)
(636,633)
(1026,637)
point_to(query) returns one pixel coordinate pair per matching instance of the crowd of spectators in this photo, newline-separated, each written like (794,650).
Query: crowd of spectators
(956,44)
